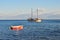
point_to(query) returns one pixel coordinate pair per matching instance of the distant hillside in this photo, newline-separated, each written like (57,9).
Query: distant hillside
(26,16)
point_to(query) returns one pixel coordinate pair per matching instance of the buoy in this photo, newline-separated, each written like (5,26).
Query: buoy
(20,27)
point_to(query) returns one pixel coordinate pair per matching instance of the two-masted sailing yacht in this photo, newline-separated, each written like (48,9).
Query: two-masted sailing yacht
(37,19)
(31,19)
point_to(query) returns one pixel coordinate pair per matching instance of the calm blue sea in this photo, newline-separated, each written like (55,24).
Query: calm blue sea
(45,30)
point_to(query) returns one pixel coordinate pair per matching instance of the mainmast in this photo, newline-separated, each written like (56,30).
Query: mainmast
(31,19)
(31,12)
(37,12)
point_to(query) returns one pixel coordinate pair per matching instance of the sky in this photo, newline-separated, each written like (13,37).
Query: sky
(21,9)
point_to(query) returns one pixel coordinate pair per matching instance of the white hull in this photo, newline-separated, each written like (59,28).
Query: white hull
(39,20)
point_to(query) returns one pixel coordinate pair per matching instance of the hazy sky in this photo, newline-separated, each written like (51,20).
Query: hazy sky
(13,8)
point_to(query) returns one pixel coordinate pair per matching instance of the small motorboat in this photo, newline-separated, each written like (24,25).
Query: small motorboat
(20,27)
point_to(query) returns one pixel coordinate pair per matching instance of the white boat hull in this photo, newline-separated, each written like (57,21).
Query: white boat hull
(38,20)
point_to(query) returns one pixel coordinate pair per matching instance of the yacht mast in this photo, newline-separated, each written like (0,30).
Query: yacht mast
(37,12)
(31,12)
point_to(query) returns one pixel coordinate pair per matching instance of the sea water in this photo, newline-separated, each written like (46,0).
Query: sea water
(45,30)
